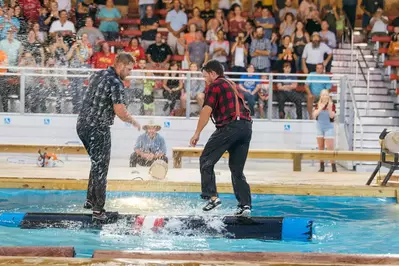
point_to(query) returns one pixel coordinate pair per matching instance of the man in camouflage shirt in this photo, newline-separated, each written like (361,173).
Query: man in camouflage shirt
(104,99)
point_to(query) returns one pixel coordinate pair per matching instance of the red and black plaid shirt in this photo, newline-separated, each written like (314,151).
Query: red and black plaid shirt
(220,97)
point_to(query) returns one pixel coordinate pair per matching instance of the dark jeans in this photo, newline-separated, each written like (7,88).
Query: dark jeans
(97,141)
(351,13)
(289,96)
(136,159)
(251,99)
(329,64)
(234,138)
(311,67)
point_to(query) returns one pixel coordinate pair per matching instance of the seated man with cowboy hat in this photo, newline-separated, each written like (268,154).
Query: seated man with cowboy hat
(150,147)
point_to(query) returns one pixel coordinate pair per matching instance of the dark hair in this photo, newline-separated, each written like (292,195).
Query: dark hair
(287,64)
(213,66)
(124,58)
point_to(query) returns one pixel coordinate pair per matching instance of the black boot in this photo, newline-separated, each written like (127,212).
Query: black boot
(334,167)
(321,167)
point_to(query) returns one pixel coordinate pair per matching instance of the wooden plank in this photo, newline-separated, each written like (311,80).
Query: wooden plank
(160,186)
(297,158)
(34,148)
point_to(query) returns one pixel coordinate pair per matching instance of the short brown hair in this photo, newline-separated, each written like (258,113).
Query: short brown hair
(124,58)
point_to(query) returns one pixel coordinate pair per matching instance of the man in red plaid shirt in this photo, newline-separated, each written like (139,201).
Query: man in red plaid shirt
(227,109)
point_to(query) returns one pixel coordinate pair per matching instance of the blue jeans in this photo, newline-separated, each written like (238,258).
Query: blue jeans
(251,99)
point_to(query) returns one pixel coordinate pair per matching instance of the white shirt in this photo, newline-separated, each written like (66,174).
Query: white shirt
(64,4)
(56,26)
(146,2)
(176,19)
(315,56)
(379,25)
(224,4)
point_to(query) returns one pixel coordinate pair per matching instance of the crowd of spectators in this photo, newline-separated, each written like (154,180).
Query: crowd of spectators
(280,38)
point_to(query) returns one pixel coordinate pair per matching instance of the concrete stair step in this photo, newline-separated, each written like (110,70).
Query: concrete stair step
(372,129)
(373,91)
(374,98)
(383,121)
(378,113)
(375,105)
(349,51)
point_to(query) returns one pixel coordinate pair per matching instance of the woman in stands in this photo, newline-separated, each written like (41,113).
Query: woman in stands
(218,22)
(393,50)
(197,88)
(287,27)
(300,38)
(236,24)
(197,20)
(134,48)
(109,16)
(172,88)
(324,113)
(189,37)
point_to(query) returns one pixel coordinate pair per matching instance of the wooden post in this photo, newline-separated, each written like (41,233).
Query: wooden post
(297,160)
(177,159)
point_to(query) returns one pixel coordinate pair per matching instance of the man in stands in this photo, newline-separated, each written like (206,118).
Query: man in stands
(267,22)
(176,22)
(159,53)
(137,86)
(198,50)
(379,24)
(64,26)
(369,8)
(314,53)
(287,9)
(149,26)
(249,88)
(287,92)
(260,51)
(313,89)
(328,37)
(143,5)
(207,14)
(103,59)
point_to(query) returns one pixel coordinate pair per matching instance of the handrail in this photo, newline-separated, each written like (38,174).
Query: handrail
(355,109)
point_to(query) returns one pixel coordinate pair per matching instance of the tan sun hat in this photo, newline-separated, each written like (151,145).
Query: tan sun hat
(152,124)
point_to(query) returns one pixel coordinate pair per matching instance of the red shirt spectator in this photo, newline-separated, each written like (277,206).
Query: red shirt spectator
(104,58)
(135,49)
(220,97)
(30,9)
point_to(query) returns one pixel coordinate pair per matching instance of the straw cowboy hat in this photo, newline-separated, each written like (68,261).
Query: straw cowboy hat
(152,124)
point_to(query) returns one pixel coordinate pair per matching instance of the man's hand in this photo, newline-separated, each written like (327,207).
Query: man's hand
(194,140)
(136,124)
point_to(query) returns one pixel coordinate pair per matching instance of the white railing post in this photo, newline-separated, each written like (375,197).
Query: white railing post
(188,95)
(270,99)
(22,93)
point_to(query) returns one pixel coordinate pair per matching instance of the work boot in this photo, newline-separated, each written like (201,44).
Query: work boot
(334,167)
(321,167)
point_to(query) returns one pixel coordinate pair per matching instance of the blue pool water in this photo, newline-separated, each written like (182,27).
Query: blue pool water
(341,224)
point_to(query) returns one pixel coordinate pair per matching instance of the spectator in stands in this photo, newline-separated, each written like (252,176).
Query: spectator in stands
(30,9)
(35,49)
(220,49)
(207,14)
(324,113)
(249,87)
(64,5)
(148,94)
(287,9)
(79,57)
(328,37)
(313,89)
(299,38)
(109,16)
(314,53)
(11,47)
(274,44)
(286,54)
(9,22)
(159,53)
(54,14)
(189,37)
(239,52)
(213,28)
(236,24)
(84,10)
(263,95)
(23,24)
(58,51)
(287,27)
(287,92)
(393,49)
(137,86)
(260,51)
(379,24)
(313,23)
(197,88)
(176,22)
(172,88)
(331,14)
(369,8)
(198,50)
(40,36)
(197,20)
(250,35)
(267,22)
(135,50)
(149,147)
(95,35)
(149,25)
(43,17)
(104,58)
(225,6)
(350,7)
(395,22)
(218,22)
(63,26)
(305,9)
(143,5)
